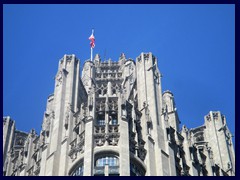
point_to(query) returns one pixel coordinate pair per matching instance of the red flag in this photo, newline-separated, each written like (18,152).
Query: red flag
(92,39)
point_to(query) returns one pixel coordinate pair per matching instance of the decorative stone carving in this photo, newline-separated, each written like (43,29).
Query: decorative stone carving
(67,115)
(112,104)
(156,76)
(42,140)
(77,147)
(100,106)
(33,133)
(132,142)
(100,135)
(185,129)
(113,141)
(59,78)
(112,136)
(147,114)
(199,137)
(26,147)
(37,146)
(215,115)
(69,58)
(146,56)
(21,154)
(37,168)
(208,117)
(100,139)
(47,123)
(19,141)
(210,153)
(139,59)
(76,118)
(122,56)
(141,150)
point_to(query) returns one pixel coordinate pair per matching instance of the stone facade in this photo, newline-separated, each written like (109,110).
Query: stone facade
(115,120)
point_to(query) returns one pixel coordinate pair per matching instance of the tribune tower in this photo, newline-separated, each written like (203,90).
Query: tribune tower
(112,120)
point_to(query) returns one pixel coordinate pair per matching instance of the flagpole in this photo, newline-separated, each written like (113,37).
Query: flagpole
(91,53)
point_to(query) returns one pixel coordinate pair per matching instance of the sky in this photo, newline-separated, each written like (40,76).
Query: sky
(194,45)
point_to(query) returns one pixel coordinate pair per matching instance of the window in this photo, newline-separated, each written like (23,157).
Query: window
(113,118)
(101,122)
(79,170)
(111,161)
(100,118)
(114,122)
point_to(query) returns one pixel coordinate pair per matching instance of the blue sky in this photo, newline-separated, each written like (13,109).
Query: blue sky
(194,45)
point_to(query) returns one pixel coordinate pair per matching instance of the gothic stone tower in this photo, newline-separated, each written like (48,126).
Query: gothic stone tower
(115,120)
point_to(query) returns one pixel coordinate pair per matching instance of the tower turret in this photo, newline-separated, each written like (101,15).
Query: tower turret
(170,110)
(150,104)
(220,141)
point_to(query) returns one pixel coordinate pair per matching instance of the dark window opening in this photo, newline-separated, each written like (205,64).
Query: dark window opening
(101,118)
(113,120)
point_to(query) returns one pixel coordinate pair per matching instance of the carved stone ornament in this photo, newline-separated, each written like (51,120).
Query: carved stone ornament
(132,142)
(69,58)
(21,154)
(112,137)
(47,123)
(59,78)
(77,147)
(142,153)
(67,115)
(139,59)
(146,57)
(100,139)
(215,115)
(208,117)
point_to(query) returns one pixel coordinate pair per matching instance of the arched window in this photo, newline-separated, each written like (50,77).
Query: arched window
(107,160)
(78,171)
(106,165)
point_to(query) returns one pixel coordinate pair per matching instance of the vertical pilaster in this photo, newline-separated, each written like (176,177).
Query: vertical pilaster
(88,76)
(43,161)
(124,137)
(216,128)
(64,106)
(89,131)
(149,96)
(8,134)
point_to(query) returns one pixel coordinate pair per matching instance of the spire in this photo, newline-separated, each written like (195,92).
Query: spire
(122,56)
(97,59)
